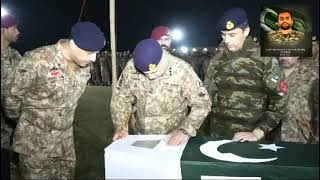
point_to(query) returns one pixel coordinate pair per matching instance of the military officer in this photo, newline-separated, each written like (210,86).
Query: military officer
(297,124)
(314,106)
(285,35)
(9,60)
(161,87)
(43,92)
(245,88)
(162,35)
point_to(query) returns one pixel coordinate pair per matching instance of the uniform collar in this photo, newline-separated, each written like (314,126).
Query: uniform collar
(8,48)
(249,46)
(168,57)
(289,34)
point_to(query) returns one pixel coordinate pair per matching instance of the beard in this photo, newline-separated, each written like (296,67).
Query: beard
(12,39)
(285,26)
(163,46)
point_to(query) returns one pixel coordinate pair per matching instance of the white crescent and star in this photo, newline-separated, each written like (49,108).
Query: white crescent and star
(211,149)
(271,147)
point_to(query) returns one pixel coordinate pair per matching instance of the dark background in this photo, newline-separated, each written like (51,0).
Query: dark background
(45,21)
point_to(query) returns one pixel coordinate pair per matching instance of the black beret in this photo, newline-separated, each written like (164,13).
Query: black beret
(232,19)
(87,36)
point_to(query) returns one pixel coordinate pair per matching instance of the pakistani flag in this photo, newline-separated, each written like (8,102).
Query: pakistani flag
(207,157)
(149,157)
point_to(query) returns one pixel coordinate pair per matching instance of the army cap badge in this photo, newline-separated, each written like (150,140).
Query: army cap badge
(230,25)
(152,67)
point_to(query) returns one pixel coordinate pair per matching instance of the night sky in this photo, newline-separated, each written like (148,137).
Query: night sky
(45,21)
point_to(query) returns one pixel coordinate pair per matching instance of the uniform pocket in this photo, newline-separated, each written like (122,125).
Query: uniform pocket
(57,118)
(173,89)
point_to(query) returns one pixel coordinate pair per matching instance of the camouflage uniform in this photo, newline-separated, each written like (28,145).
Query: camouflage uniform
(161,104)
(296,126)
(314,105)
(95,71)
(10,59)
(293,38)
(105,68)
(312,62)
(53,168)
(243,87)
(44,93)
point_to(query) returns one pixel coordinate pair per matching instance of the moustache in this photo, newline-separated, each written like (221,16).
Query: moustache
(285,27)
(164,46)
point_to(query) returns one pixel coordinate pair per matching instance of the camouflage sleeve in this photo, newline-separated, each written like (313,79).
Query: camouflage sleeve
(314,106)
(276,89)
(273,77)
(3,81)
(270,36)
(16,56)
(209,82)
(19,82)
(199,100)
(121,102)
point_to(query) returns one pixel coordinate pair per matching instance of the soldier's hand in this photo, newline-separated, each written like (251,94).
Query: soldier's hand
(121,134)
(178,138)
(244,136)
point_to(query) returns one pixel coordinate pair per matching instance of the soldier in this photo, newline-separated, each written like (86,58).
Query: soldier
(201,61)
(9,61)
(126,57)
(297,122)
(205,63)
(9,57)
(105,69)
(161,87)
(243,86)
(95,71)
(285,35)
(313,61)
(43,93)
(162,35)
(314,105)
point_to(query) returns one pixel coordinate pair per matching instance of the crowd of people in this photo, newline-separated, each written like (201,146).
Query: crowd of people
(101,69)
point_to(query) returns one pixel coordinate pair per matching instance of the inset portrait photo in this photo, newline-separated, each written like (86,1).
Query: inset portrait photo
(286,30)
